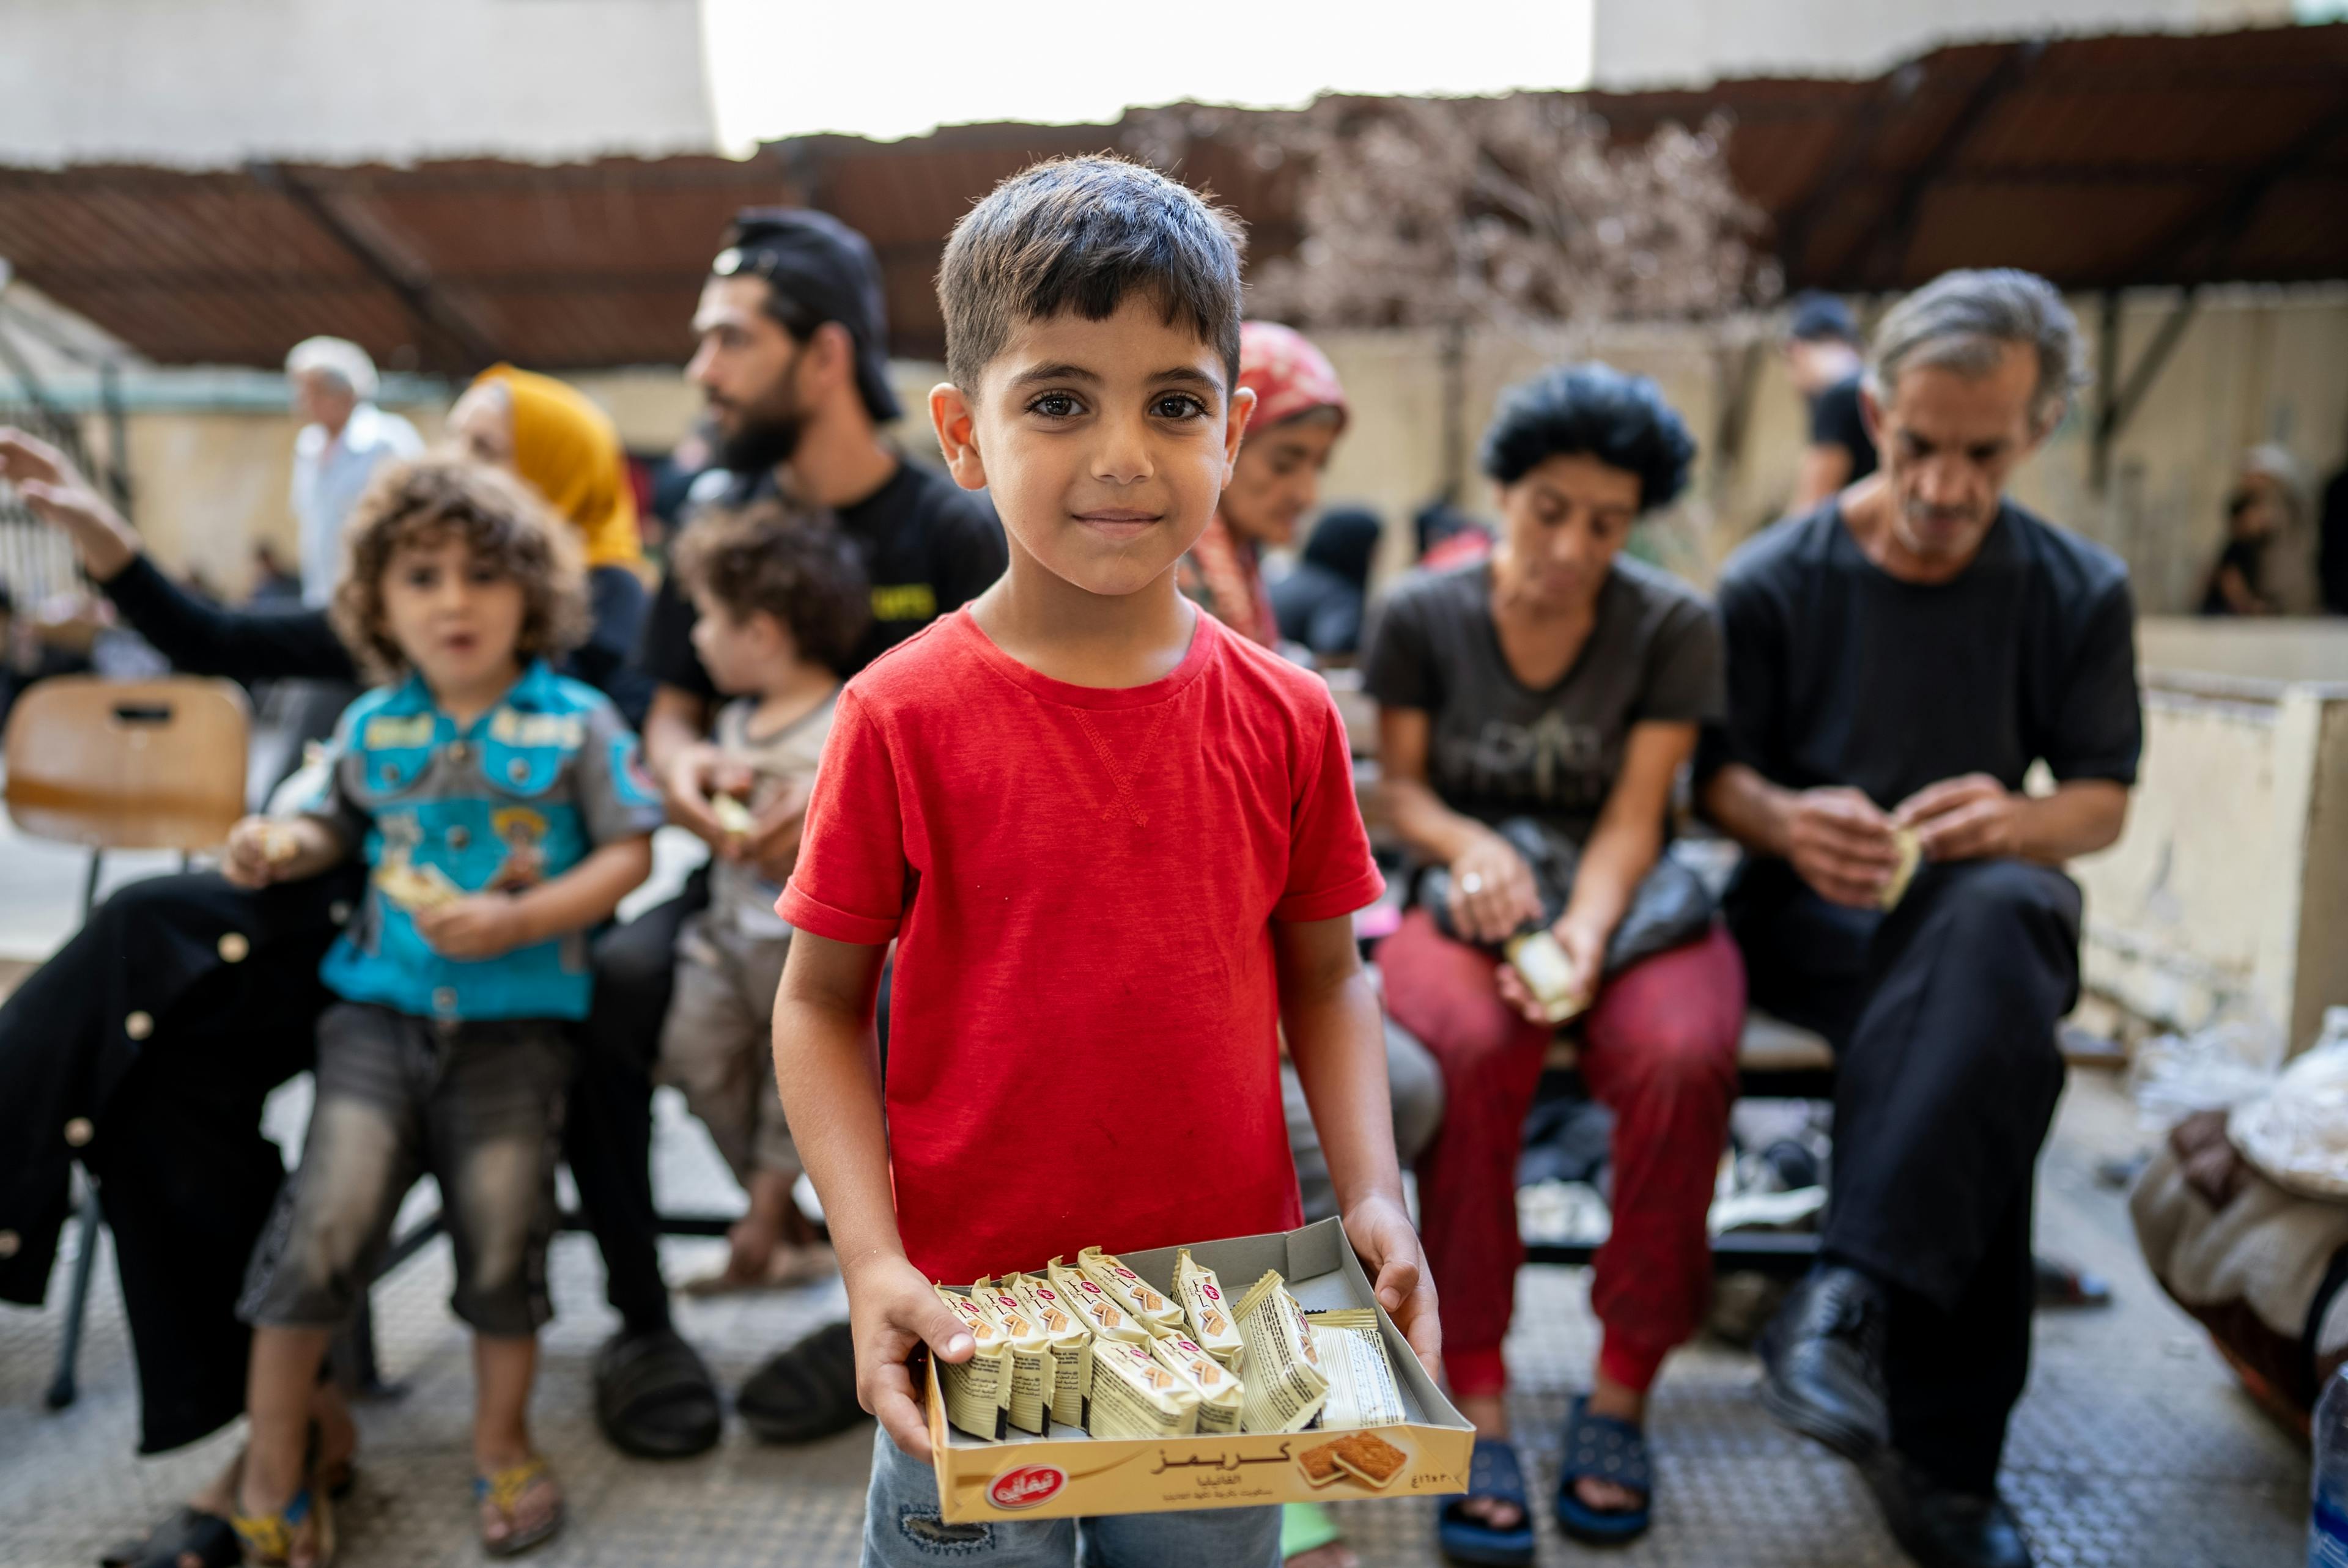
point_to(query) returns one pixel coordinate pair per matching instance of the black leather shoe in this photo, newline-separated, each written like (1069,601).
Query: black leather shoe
(1822,1363)
(1941,1528)
(806,1392)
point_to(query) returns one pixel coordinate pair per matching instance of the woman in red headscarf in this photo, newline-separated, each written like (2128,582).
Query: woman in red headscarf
(1300,412)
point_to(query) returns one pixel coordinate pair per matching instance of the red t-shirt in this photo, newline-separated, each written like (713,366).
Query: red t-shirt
(1082,1045)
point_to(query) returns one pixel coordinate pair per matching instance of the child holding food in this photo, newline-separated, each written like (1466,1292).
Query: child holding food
(782,606)
(503,813)
(1116,846)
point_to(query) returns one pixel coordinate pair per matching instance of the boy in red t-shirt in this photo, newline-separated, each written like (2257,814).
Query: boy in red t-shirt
(1116,847)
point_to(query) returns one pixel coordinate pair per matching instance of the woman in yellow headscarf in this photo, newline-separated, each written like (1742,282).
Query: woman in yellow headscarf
(549,433)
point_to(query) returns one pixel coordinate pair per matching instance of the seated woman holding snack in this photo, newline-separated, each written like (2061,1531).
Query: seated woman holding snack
(1534,712)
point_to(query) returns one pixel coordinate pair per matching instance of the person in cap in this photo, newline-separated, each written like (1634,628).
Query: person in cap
(343,439)
(792,365)
(1822,346)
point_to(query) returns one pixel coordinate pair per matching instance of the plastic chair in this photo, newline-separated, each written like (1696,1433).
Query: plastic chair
(142,764)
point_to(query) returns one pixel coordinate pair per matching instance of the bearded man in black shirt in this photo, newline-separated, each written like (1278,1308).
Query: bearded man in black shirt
(1898,660)
(793,363)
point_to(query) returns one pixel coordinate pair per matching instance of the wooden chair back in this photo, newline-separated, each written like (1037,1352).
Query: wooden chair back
(129,764)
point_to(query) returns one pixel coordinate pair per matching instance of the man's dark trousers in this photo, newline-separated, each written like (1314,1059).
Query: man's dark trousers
(1942,1015)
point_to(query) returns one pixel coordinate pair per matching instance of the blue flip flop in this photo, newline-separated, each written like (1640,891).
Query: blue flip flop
(1603,1447)
(1495,1472)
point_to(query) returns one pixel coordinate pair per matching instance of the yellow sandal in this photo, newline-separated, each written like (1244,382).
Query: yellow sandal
(502,1490)
(268,1538)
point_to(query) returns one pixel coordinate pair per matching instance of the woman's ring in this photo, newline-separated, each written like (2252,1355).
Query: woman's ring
(1472,883)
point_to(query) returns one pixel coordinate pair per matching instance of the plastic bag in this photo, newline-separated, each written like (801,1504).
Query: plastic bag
(2212,1069)
(2296,1133)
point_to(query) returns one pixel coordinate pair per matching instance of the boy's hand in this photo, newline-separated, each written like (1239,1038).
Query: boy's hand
(893,1312)
(686,785)
(250,861)
(478,926)
(1388,1248)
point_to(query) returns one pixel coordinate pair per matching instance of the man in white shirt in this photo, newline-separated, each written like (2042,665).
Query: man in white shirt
(343,437)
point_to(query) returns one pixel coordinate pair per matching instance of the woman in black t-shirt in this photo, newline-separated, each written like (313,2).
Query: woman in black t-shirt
(1562,682)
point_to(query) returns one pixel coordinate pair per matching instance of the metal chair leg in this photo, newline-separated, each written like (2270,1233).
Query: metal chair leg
(62,1389)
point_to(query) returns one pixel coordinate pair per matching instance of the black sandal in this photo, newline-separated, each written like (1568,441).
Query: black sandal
(806,1392)
(207,1537)
(1494,1473)
(655,1398)
(1607,1449)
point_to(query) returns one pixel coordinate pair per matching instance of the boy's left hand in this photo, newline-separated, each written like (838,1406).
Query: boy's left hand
(479,925)
(1382,1239)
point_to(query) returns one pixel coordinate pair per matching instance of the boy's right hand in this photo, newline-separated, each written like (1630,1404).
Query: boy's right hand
(688,785)
(256,849)
(892,1311)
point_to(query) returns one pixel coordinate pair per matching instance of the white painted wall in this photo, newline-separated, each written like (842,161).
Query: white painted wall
(1679,42)
(211,82)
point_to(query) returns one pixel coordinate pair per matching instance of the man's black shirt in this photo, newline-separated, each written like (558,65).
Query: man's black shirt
(928,545)
(1836,421)
(1840,673)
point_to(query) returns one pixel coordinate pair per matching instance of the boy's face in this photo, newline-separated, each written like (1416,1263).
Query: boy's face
(455,618)
(741,655)
(1106,445)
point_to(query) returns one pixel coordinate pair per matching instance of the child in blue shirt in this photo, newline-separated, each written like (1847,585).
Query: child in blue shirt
(502,814)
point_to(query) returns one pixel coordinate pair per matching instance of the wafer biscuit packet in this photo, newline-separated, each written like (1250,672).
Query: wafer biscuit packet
(1286,1384)
(279,843)
(1071,1341)
(1132,1292)
(977,1391)
(1909,848)
(1034,1368)
(1363,1390)
(1208,1314)
(1135,1395)
(1220,1394)
(1095,1306)
(415,887)
(731,814)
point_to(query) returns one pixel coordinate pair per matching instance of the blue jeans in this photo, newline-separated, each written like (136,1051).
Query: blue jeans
(902,1530)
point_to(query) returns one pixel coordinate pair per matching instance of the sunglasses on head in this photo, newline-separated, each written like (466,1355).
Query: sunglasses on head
(741,261)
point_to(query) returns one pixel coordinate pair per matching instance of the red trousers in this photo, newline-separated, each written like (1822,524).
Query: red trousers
(1659,1049)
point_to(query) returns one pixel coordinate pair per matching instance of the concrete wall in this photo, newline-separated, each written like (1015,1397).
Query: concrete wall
(2253,365)
(1651,43)
(2227,889)
(209,83)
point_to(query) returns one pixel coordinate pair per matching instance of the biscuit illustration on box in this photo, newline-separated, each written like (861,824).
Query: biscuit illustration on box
(1320,1464)
(1371,1460)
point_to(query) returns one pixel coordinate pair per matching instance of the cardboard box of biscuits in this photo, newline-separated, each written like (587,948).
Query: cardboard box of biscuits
(1224,1374)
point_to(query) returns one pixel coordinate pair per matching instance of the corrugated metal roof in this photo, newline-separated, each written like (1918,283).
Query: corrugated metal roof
(2099,161)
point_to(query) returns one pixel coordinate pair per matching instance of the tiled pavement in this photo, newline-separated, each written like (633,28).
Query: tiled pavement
(2133,1447)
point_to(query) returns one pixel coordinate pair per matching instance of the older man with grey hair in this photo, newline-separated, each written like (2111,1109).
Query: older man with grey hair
(345,436)
(1898,659)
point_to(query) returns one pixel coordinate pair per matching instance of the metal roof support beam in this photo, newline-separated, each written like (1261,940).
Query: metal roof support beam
(473,351)
(2226,215)
(1858,139)
(1887,247)
(2115,408)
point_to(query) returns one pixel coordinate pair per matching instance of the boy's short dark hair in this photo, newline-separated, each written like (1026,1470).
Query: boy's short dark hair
(1594,409)
(793,564)
(501,520)
(1083,234)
